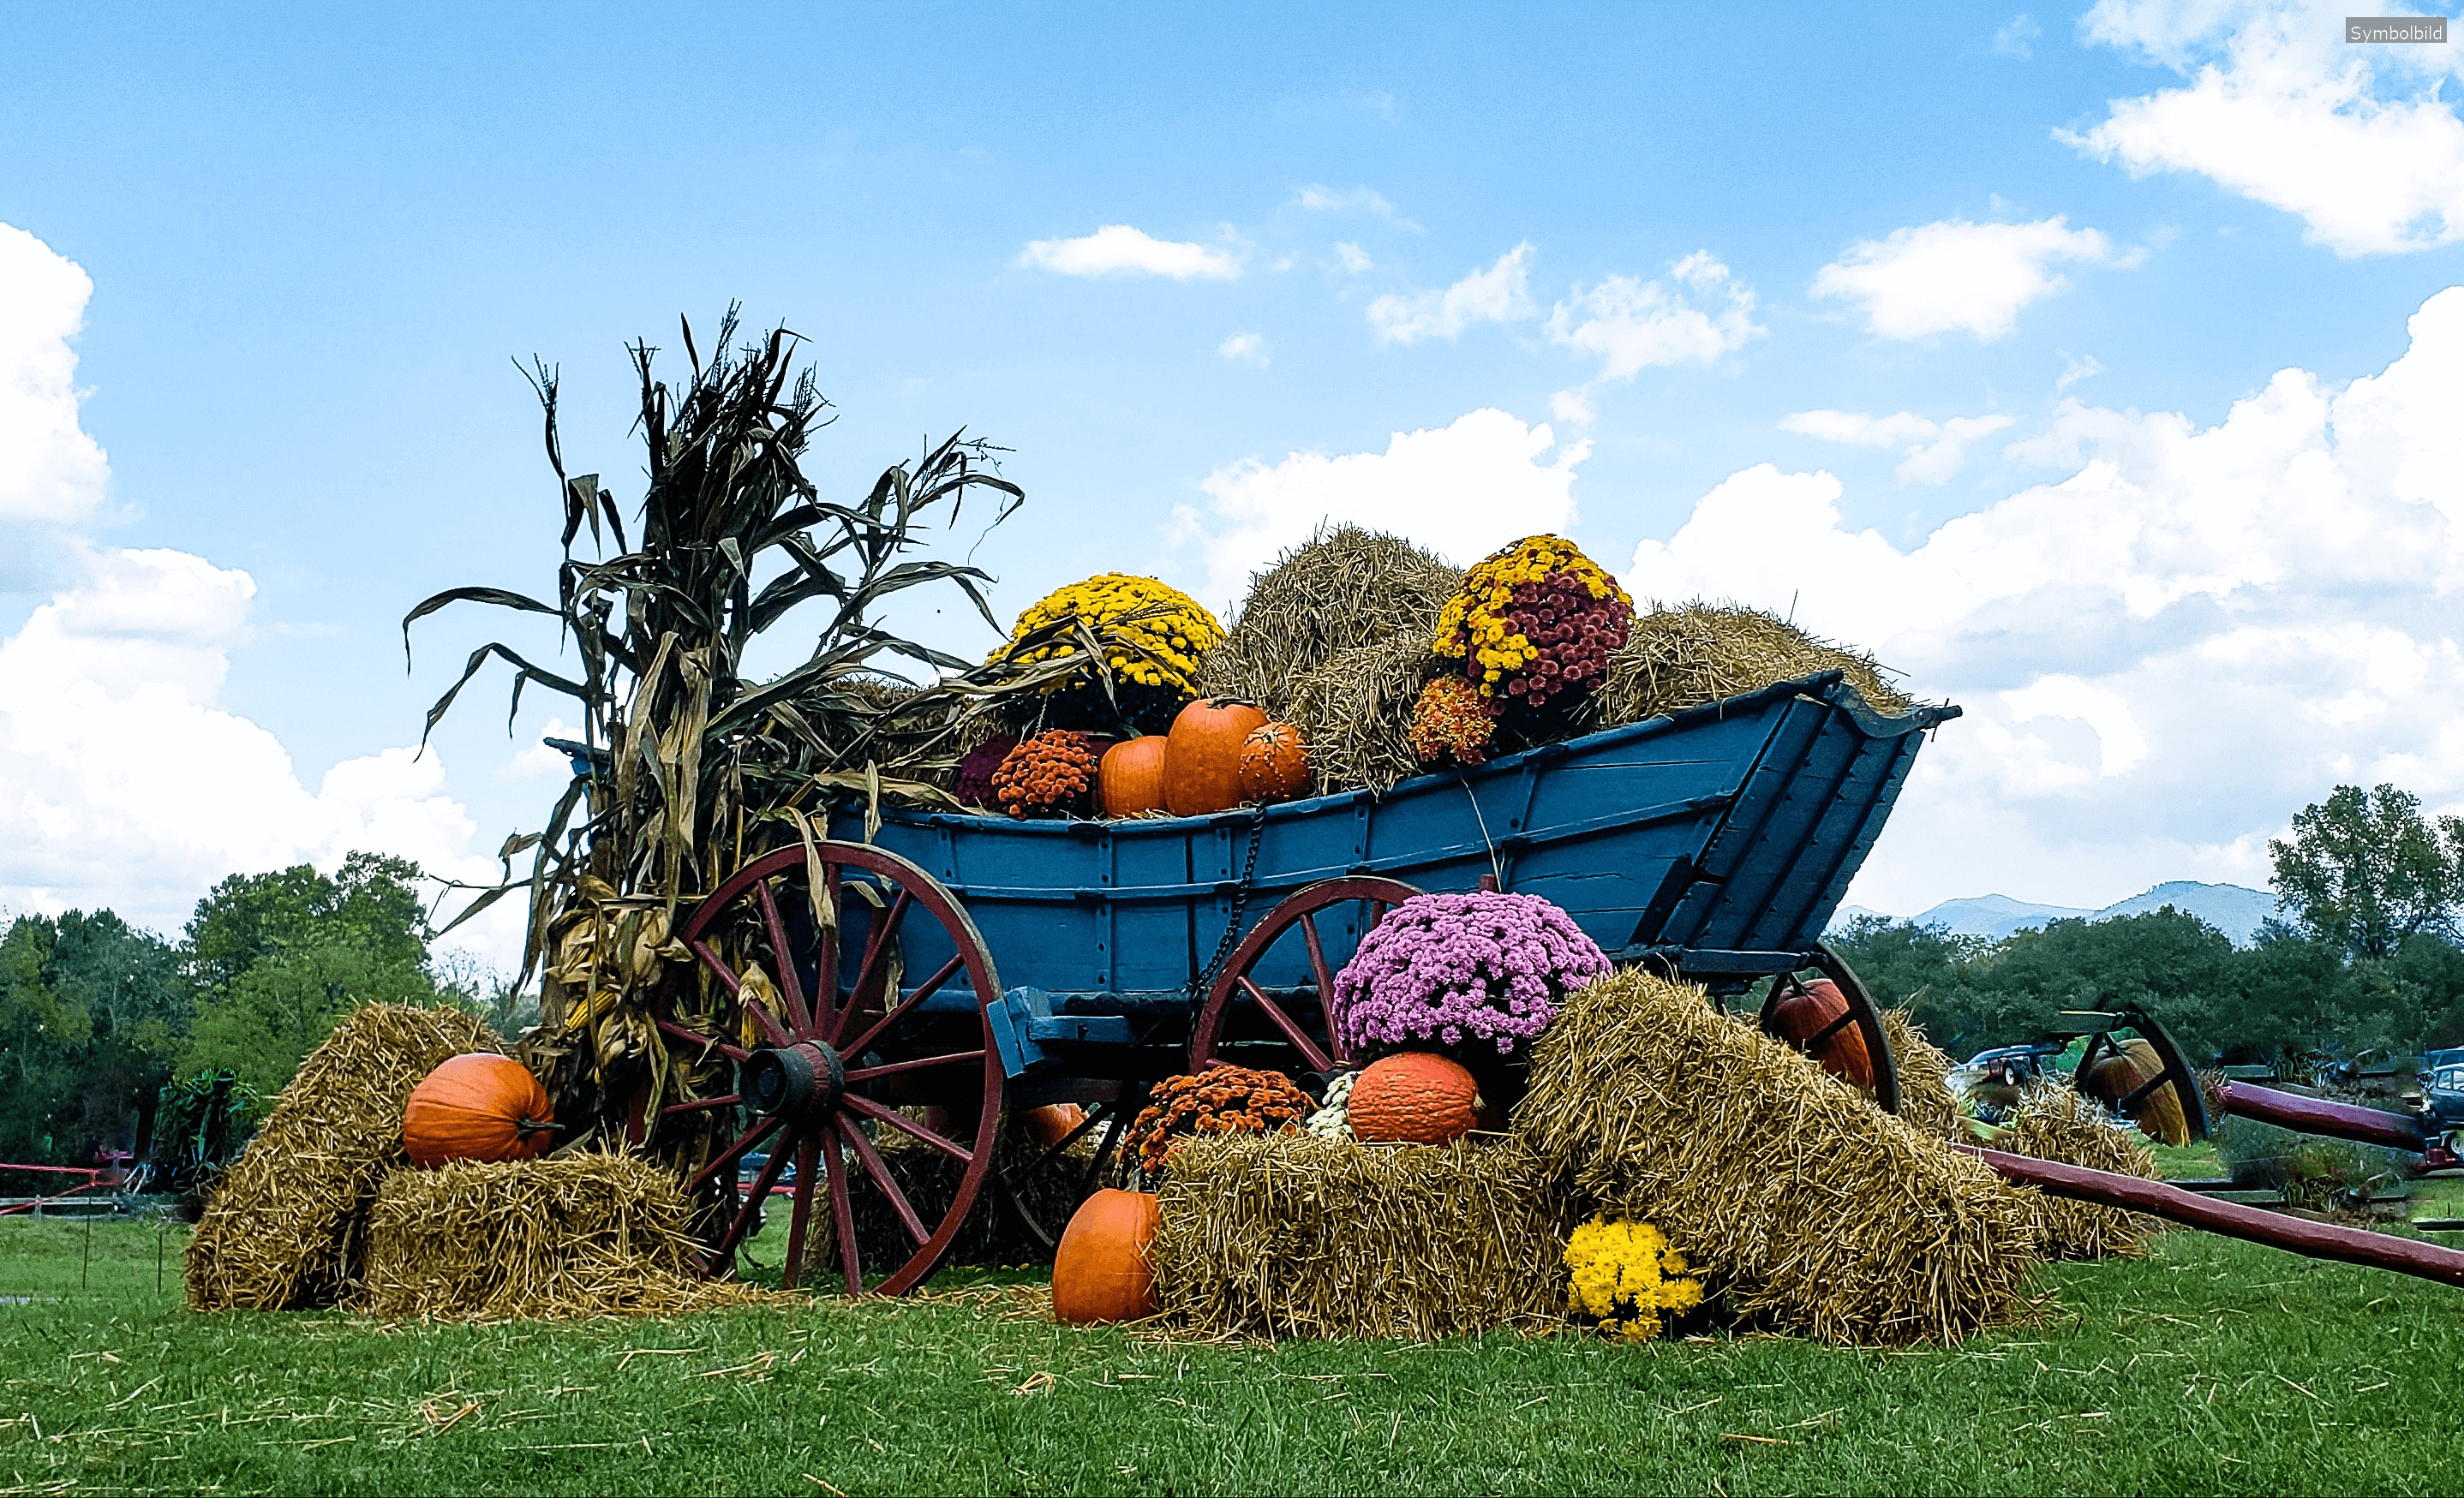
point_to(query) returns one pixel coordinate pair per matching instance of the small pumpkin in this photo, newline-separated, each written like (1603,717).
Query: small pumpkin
(1415,1099)
(1130,778)
(1274,763)
(1050,1124)
(1801,1016)
(1101,1273)
(1202,756)
(2132,1065)
(477,1107)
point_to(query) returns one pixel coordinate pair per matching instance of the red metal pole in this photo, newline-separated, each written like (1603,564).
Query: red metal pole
(2275,1229)
(2318,1115)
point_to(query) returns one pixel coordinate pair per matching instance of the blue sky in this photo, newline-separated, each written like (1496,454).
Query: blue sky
(1983,289)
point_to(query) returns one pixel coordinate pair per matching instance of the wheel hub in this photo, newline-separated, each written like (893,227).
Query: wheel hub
(793,1082)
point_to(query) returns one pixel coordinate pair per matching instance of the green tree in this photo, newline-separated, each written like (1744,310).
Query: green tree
(2366,871)
(90,1009)
(278,958)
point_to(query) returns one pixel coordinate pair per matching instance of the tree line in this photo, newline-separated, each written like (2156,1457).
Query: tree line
(95,1015)
(2364,955)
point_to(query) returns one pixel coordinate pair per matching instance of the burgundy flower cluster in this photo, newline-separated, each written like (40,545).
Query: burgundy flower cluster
(1574,633)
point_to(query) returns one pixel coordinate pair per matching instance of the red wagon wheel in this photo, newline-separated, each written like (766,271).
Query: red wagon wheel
(832,1069)
(1293,1013)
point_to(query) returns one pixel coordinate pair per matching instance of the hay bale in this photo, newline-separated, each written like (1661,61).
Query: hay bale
(584,1234)
(1342,590)
(1294,1235)
(287,1228)
(2053,1122)
(1927,1102)
(1355,709)
(1681,657)
(1801,1203)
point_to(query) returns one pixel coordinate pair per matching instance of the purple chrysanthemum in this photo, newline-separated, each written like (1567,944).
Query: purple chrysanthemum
(1442,969)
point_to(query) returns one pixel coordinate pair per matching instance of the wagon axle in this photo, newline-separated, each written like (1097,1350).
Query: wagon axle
(793,1082)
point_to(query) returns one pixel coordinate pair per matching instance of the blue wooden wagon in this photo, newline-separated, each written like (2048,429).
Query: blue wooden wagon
(948,970)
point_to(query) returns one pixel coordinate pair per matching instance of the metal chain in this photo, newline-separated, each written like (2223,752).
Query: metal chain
(1205,983)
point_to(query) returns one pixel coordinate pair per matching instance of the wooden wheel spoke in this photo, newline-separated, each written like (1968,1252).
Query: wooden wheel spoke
(868,1072)
(899,1120)
(1318,1059)
(769,1177)
(1317,960)
(727,1158)
(842,1213)
(1847,1017)
(699,1105)
(784,956)
(732,1052)
(791,1270)
(826,965)
(878,1169)
(906,1006)
(875,948)
(725,974)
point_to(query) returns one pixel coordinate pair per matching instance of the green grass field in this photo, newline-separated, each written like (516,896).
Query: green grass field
(2209,1366)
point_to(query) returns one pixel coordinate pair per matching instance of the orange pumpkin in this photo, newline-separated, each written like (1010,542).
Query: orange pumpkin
(1274,764)
(1800,1017)
(1100,1272)
(1415,1097)
(1202,756)
(1130,780)
(477,1107)
(1050,1124)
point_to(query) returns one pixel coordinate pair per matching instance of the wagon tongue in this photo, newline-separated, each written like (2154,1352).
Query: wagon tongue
(792,1081)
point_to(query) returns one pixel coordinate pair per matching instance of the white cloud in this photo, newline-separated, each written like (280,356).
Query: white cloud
(2085,366)
(2017,36)
(1462,491)
(1352,258)
(2356,140)
(1956,276)
(1632,325)
(1118,250)
(2162,655)
(52,474)
(1573,405)
(1319,198)
(1930,452)
(1500,293)
(123,783)
(1244,348)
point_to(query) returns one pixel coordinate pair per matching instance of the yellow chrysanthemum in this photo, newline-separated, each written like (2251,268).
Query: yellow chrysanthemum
(1154,633)
(1478,624)
(1625,1276)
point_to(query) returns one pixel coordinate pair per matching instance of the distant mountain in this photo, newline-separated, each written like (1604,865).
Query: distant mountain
(2232,909)
(2236,911)
(1994,916)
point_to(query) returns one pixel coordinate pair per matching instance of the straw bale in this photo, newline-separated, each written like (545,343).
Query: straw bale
(2053,1122)
(583,1234)
(287,1228)
(1342,590)
(1927,1102)
(1681,657)
(1355,709)
(1294,1235)
(1811,1210)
